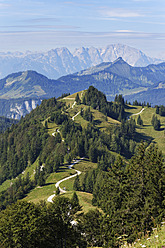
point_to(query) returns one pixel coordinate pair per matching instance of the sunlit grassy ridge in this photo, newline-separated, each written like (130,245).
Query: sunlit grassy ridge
(100,120)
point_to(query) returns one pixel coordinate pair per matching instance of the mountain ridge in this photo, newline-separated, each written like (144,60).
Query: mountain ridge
(60,61)
(117,77)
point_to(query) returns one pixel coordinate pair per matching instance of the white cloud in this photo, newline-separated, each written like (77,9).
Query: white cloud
(125,31)
(119,12)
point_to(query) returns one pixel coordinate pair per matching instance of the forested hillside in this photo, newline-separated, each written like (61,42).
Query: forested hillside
(127,182)
(6,123)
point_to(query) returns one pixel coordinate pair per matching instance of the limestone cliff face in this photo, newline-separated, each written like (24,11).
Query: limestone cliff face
(19,109)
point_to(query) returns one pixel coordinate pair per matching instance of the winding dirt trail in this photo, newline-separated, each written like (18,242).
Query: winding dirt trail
(75,115)
(50,198)
(139,112)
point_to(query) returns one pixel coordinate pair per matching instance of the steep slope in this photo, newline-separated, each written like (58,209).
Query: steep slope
(60,61)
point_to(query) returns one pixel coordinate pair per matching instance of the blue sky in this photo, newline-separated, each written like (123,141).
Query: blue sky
(41,25)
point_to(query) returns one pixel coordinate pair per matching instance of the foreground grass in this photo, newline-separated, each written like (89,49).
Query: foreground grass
(156,240)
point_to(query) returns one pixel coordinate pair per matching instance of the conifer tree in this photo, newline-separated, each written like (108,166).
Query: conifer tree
(57,191)
(76,185)
(75,203)
(139,121)
(41,179)
(77,99)
(46,124)
(155,122)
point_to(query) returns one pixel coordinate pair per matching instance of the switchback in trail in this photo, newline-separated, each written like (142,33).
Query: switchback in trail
(50,198)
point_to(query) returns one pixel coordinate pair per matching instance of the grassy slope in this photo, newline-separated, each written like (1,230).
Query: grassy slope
(83,166)
(42,193)
(147,131)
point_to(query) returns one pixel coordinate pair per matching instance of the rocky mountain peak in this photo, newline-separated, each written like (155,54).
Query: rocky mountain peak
(60,61)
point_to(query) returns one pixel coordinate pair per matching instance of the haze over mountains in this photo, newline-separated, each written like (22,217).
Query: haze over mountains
(21,92)
(60,61)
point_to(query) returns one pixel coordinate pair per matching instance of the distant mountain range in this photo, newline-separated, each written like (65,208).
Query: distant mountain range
(60,61)
(21,92)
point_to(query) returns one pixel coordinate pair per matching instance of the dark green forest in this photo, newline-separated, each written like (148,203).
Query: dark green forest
(6,123)
(130,189)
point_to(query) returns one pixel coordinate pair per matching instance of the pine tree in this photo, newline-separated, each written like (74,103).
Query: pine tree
(91,225)
(76,185)
(75,203)
(77,99)
(46,124)
(155,122)
(146,193)
(41,180)
(139,121)
(57,191)
(157,109)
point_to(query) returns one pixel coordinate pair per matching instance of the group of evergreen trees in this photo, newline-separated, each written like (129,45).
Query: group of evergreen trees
(143,104)
(27,225)
(155,122)
(131,195)
(97,100)
(160,110)
(139,120)
(6,123)
(87,114)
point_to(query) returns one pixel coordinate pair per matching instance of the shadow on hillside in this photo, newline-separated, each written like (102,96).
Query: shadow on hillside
(97,122)
(143,137)
(143,127)
(129,107)
(47,184)
(62,169)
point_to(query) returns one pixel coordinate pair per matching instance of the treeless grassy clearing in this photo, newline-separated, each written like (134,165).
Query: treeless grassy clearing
(147,131)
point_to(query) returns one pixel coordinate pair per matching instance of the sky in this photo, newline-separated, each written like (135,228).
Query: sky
(41,25)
